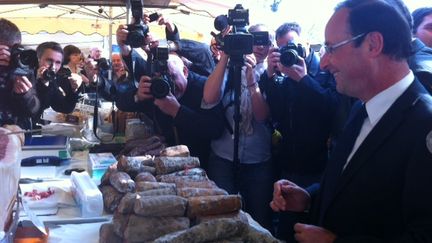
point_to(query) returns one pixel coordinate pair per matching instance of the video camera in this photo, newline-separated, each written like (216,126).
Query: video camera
(290,54)
(138,30)
(239,41)
(22,61)
(161,84)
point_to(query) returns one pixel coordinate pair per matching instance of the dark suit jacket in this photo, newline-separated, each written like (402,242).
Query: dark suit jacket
(385,192)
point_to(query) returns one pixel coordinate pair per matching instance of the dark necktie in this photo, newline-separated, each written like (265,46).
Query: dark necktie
(339,157)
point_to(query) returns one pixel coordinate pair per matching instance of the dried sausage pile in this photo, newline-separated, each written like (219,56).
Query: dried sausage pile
(170,199)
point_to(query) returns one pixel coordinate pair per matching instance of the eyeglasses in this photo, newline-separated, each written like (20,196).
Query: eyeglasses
(331,49)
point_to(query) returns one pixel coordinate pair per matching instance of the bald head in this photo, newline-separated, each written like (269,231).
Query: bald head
(96,52)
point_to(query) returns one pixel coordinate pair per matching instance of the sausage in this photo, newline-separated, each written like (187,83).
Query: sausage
(166,165)
(214,230)
(158,192)
(211,205)
(197,192)
(122,182)
(144,176)
(187,172)
(146,185)
(107,235)
(141,229)
(176,151)
(166,205)
(111,198)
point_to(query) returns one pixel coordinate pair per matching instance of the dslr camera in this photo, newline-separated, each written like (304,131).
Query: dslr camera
(22,61)
(291,53)
(138,30)
(49,73)
(239,42)
(161,84)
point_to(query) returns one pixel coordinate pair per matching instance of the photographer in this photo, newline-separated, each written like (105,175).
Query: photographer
(253,176)
(56,86)
(18,99)
(178,116)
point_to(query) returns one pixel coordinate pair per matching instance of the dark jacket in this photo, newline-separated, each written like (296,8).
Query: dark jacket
(17,108)
(383,195)
(420,63)
(58,94)
(302,112)
(197,52)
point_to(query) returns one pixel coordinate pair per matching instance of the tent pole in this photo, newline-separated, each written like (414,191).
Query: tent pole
(110,32)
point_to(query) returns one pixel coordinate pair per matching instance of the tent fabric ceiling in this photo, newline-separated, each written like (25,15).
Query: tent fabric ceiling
(193,17)
(147,3)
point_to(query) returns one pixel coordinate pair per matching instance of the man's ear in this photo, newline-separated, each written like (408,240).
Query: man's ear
(375,43)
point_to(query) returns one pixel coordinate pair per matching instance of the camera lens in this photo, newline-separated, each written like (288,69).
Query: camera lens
(159,87)
(136,35)
(288,57)
(48,74)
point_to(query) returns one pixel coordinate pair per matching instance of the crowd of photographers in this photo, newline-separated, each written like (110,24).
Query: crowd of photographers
(254,108)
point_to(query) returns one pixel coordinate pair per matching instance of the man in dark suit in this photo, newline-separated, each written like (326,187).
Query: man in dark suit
(378,188)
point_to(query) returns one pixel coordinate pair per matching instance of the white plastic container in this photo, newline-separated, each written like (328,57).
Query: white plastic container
(87,195)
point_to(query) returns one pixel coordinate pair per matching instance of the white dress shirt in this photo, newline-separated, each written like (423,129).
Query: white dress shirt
(378,106)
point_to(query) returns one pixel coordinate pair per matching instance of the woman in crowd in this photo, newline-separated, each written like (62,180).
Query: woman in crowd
(72,60)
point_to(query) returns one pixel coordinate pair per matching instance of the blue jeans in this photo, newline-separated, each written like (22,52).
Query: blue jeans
(254,182)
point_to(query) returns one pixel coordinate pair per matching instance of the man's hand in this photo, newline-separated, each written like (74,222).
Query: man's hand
(167,22)
(273,59)
(250,63)
(121,36)
(75,81)
(287,196)
(296,71)
(168,105)
(39,74)
(306,233)
(143,92)
(22,85)
(4,55)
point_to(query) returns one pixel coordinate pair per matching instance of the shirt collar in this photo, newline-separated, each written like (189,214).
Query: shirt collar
(380,103)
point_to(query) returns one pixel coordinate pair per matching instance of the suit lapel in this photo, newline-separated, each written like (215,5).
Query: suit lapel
(380,133)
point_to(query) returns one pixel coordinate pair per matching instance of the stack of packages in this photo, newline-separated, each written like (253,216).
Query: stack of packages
(170,199)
